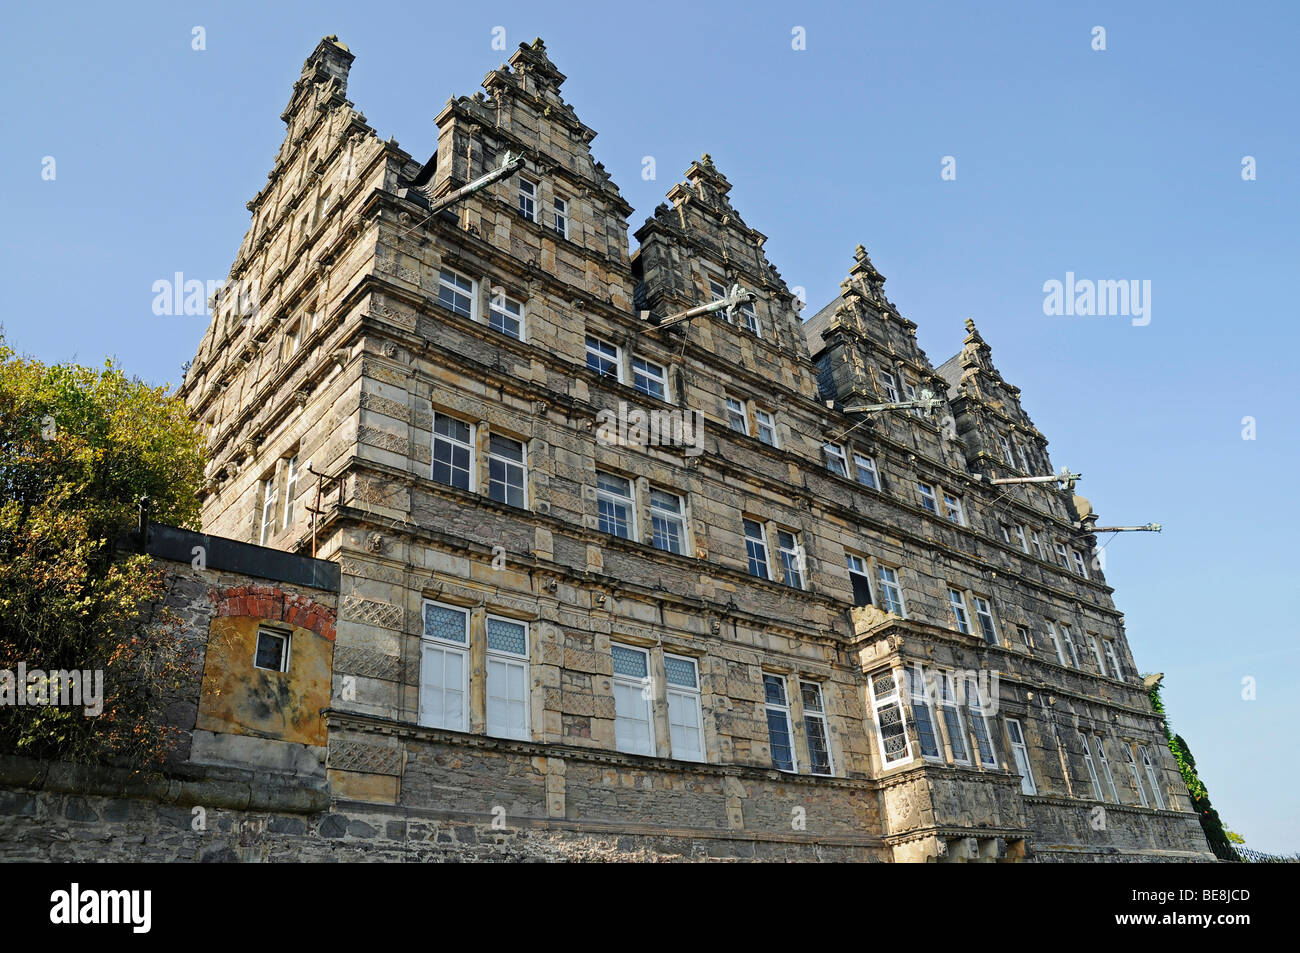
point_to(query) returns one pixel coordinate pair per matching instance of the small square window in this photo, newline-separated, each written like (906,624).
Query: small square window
(650,378)
(272,651)
(506,315)
(604,358)
(456,293)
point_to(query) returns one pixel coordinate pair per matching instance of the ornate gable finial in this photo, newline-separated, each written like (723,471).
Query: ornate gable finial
(864,269)
(975,352)
(531,58)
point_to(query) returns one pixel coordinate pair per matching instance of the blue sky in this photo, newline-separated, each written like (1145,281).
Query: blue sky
(1116,164)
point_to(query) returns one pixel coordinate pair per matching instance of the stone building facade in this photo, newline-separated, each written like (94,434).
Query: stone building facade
(599,575)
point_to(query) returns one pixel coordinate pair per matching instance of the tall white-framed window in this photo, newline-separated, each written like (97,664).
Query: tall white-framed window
(953,509)
(756,549)
(268,510)
(1006,532)
(1026,636)
(1061,559)
(952,720)
(1057,644)
(1095,645)
(650,378)
(457,293)
(604,358)
(668,522)
(1020,752)
(866,471)
(685,723)
(927,734)
(506,315)
(979,725)
(766,424)
(737,419)
(814,724)
(615,509)
(891,728)
(527,199)
(560,216)
(792,558)
(749,318)
(453,451)
(1092,768)
(835,459)
(1004,446)
(634,730)
(1068,638)
(507,678)
(1020,536)
(957,606)
(1038,544)
(507,470)
(926,492)
(859,579)
(984,615)
(1133,770)
(1100,751)
(1157,794)
(891,594)
(779,734)
(444,667)
(1116,672)
(292,473)
(1080,566)
(889,386)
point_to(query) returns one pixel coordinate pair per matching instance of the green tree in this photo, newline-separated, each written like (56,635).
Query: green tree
(78,448)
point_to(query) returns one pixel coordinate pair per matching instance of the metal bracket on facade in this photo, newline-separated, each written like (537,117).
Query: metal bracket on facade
(510,164)
(736,297)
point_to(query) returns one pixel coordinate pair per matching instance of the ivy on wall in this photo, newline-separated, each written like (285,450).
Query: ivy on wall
(1211,824)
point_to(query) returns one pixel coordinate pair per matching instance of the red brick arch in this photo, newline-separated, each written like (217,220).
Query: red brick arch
(273,604)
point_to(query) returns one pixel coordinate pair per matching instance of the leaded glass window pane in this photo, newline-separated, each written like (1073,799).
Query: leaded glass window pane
(680,671)
(629,662)
(441,622)
(506,636)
